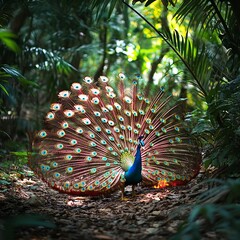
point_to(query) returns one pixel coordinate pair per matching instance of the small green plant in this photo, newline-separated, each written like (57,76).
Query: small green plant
(217,212)
(12,224)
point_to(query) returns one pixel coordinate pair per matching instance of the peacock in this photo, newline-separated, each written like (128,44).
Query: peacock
(97,139)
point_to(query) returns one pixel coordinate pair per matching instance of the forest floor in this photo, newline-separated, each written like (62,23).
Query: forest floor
(33,211)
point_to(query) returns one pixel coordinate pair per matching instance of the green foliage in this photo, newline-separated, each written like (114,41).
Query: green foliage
(9,39)
(214,26)
(207,217)
(12,224)
(7,160)
(101,7)
(223,220)
(225,113)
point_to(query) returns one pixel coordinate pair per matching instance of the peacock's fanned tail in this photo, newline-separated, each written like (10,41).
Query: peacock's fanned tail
(91,127)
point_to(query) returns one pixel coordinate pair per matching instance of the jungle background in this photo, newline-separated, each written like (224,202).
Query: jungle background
(189,47)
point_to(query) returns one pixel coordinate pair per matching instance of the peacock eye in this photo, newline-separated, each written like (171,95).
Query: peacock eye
(108,131)
(91,135)
(64,124)
(44,152)
(148,120)
(95,100)
(69,170)
(111,123)
(139,97)
(95,91)
(94,154)
(104,120)
(127,99)
(121,118)
(134,113)
(79,130)
(73,142)
(110,107)
(68,157)
(59,146)
(104,79)
(97,114)
(138,125)
(109,89)
(80,108)
(116,129)
(68,113)
(60,133)
(141,112)
(76,86)
(93,144)
(57,175)
(77,150)
(177,117)
(121,76)
(54,164)
(64,94)
(87,80)
(83,97)
(104,109)
(146,100)
(134,82)
(121,137)
(177,129)
(42,134)
(135,131)
(98,129)
(50,116)
(128,113)
(129,128)
(122,127)
(55,106)
(111,138)
(117,106)
(76,185)
(86,121)
(111,95)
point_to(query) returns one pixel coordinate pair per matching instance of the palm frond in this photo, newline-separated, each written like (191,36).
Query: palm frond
(192,52)
(209,14)
(102,7)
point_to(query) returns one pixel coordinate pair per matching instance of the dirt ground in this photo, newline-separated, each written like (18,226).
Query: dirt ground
(33,211)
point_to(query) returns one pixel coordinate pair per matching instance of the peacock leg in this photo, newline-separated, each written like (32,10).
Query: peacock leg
(133,191)
(122,193)
(123,198)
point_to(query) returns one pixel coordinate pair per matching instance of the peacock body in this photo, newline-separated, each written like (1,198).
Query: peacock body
(97,140)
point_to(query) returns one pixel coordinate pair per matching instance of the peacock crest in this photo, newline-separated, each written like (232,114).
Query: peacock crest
(91,140)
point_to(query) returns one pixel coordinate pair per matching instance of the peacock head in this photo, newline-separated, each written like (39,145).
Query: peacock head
(140,141)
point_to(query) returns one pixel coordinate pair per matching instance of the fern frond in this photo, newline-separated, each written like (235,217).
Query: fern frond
(47,60)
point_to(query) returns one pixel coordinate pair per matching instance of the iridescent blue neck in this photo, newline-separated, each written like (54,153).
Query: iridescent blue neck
(138,159)
(134,174)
